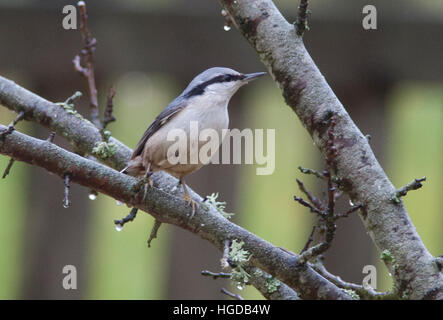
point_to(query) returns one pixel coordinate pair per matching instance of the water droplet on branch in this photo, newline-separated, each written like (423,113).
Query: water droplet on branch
(66,203)
(118,227)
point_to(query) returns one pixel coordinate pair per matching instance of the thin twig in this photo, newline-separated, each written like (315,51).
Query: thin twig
(154,231)
(11,127)
(66,201)
(328,216)
(414,185)
(108,117)
(130,217)
(308,205)
(363,292)
(351,210)
(314,201)
(301,23)
(8,168)
(310,239)
(88,55)
(72,98)
(232,295)
(313,172)
(51,137)
(216,275)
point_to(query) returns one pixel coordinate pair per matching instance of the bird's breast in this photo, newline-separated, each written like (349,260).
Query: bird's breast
(201,122)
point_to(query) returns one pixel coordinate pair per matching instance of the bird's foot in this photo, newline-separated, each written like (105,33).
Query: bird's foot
(148,182)
(144,184)
(191,202)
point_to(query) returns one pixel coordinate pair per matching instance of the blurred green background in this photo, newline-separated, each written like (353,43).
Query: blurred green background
(389,80)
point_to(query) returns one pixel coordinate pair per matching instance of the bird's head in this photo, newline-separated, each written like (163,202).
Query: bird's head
(221,82)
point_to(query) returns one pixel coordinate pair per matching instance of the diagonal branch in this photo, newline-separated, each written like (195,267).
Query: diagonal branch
(306,91)
(166,208)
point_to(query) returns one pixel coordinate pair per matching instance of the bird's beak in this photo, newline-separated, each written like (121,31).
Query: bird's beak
(253,76)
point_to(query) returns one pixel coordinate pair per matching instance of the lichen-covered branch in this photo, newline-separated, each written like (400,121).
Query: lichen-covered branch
(362,292)
(165,207)
(306,91)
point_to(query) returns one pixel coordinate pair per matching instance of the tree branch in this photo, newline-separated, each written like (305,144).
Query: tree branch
(301,23)
(167,208)
(364,293)
(88,72)
(306,91)
(414,185)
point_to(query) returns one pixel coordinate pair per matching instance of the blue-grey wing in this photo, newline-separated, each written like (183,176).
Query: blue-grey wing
(170,111)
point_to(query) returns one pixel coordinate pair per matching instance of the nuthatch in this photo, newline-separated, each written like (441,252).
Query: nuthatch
(204,100)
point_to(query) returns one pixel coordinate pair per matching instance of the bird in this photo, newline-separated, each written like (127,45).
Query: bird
(204,100)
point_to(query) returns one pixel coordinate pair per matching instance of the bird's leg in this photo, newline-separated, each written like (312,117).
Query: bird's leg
(147,180)
(176,187)
(187,197)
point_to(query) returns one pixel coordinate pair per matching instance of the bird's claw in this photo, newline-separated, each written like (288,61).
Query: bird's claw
(192,203)
(148,182)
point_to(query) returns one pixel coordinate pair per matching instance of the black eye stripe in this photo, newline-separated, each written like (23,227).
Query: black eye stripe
(232,77)
(198,90)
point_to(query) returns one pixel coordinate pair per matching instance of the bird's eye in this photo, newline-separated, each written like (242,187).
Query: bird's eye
(232,77)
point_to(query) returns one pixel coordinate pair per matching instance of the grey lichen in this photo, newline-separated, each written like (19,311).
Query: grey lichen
(272,284)
(257,273)
(68,105)
(352,293)
(106,135)
(218,205)
(238,257)
(104,150)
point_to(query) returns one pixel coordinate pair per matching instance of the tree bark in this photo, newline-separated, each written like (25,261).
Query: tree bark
(305,90)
